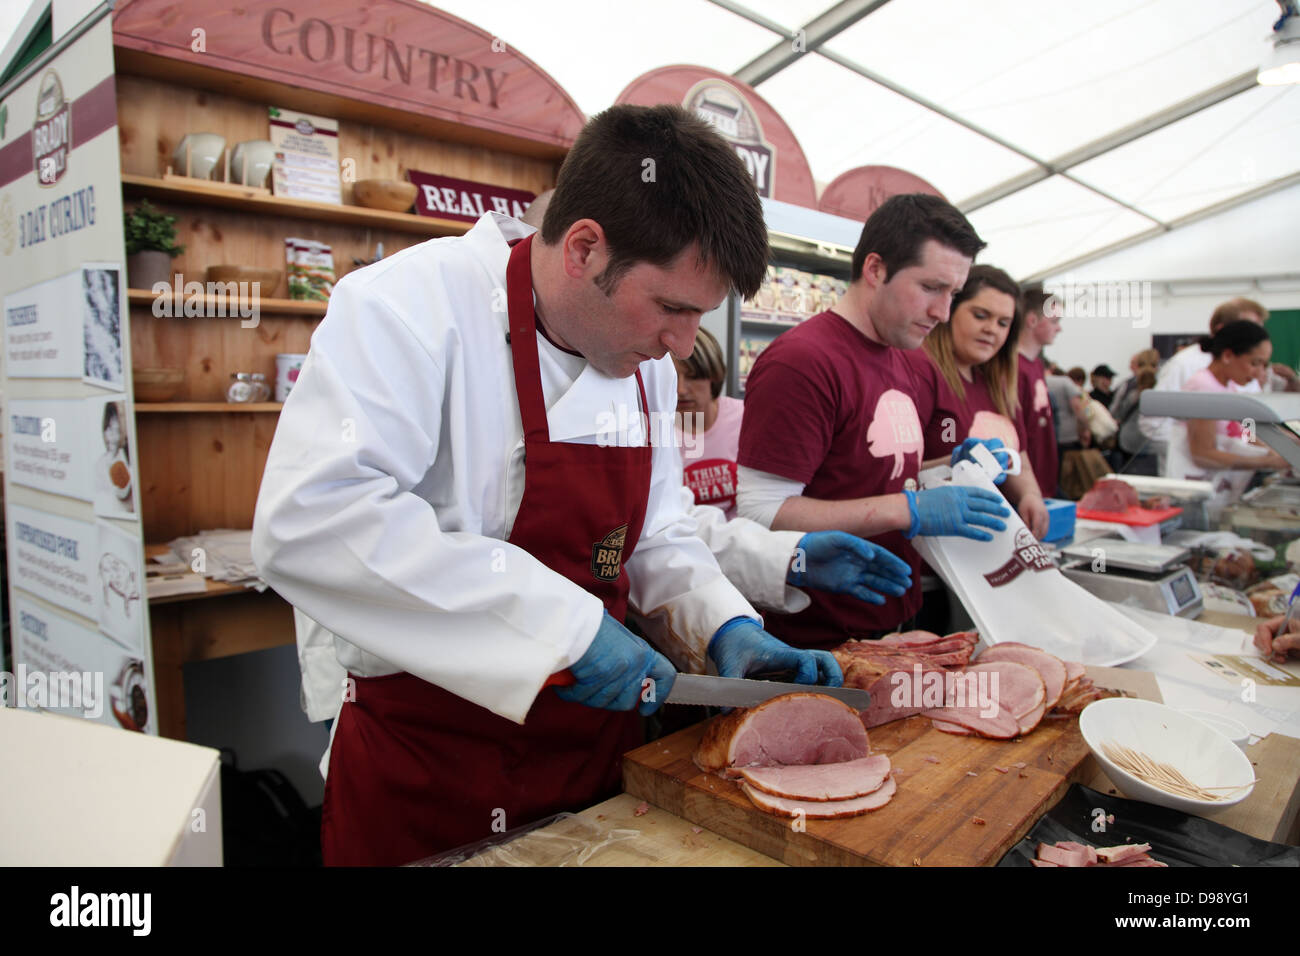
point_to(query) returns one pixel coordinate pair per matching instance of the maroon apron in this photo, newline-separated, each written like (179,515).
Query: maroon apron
(414,769)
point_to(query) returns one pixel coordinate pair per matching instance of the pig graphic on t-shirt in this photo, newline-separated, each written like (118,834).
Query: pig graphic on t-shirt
(988,424)
(1041,400)
(895,430)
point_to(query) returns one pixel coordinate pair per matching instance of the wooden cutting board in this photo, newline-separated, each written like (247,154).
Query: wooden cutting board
(933,819)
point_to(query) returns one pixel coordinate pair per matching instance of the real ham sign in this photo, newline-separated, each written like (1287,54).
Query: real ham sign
(445,197)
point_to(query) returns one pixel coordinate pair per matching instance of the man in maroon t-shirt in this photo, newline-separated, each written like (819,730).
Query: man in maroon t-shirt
(1042,322)
(831,436)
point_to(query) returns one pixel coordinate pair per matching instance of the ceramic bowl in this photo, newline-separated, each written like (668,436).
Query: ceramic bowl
(391,194)
(1201,753)
(269,278)
(250,162)
(1234,730)
(204,152)
(157,384)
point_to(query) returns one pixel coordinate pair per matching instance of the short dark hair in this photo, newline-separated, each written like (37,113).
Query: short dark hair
(900,226)
(1237,337)
(1034,299)
(658,178)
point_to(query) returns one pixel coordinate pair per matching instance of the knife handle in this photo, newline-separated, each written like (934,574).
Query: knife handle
(562,678)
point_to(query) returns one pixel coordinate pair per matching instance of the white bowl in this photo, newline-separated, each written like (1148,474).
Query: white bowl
(1234,730)
(1201,753)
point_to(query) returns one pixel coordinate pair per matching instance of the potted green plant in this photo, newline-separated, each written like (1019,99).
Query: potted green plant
(150,246)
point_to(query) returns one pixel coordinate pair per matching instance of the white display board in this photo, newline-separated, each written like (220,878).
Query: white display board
(80,614)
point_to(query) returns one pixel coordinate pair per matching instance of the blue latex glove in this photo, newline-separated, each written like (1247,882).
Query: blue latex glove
(741,647)
(963,453)
(843,563)
(956,510)
(611,674)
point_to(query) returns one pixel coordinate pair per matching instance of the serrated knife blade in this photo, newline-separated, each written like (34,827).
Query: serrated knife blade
(738,692)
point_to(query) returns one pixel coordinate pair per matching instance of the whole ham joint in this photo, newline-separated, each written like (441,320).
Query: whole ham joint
(790,730)
(1109,494)
(800,754)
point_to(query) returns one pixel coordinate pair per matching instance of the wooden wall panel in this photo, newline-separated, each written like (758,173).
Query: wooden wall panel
(201,471)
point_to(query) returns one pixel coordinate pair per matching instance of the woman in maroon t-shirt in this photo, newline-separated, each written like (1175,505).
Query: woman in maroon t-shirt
(966,377)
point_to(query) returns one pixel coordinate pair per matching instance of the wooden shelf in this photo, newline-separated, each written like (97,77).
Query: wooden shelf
(266,306)
(207,407)
(214,588)
(224,197)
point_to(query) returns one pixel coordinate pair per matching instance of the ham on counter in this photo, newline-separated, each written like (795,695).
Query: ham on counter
(1031,683)
(800,754)
(1069,853)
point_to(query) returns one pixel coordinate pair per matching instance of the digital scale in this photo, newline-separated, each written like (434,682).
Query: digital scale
(1154,577)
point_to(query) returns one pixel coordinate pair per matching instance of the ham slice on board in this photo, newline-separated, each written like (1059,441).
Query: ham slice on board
(1051,669)
(790,730)
(822,809)
(827,781)
(812,750)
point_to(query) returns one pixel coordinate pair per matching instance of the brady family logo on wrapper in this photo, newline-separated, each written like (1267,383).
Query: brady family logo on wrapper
(1027,556)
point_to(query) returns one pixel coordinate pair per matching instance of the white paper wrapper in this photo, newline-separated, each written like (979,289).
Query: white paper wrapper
(1013,592)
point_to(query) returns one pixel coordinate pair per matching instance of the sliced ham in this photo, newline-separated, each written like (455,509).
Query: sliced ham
(1069,853)
(1126,851)
(1020,689)
(790,730)
(1001,726)
(1050,669)
(950,728)
(821,809)
(1031,720)
(821,782)
(1085,856)
(880,676)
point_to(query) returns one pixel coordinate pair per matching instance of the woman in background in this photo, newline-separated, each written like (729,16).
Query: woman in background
(709,424)
(966,378)
(1220,451)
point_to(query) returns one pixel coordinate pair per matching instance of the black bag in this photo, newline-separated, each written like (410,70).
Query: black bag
(264,820)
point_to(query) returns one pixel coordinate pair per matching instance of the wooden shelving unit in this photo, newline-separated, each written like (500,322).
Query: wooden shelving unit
(224,196)
(200,458)
(220,408)
(266,306)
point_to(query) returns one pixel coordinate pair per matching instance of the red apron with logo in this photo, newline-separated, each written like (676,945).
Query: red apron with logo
(414,769)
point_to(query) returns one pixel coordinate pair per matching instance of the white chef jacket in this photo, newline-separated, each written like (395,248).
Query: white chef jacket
(397,470)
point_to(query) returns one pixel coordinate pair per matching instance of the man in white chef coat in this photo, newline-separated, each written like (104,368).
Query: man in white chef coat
(464,489)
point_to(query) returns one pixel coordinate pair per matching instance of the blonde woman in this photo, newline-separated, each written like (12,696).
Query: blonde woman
(965,372)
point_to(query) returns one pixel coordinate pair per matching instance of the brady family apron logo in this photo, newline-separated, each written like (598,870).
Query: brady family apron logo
(607,555)
(54,690)
(52,132)
(1028,556)
(75,908)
